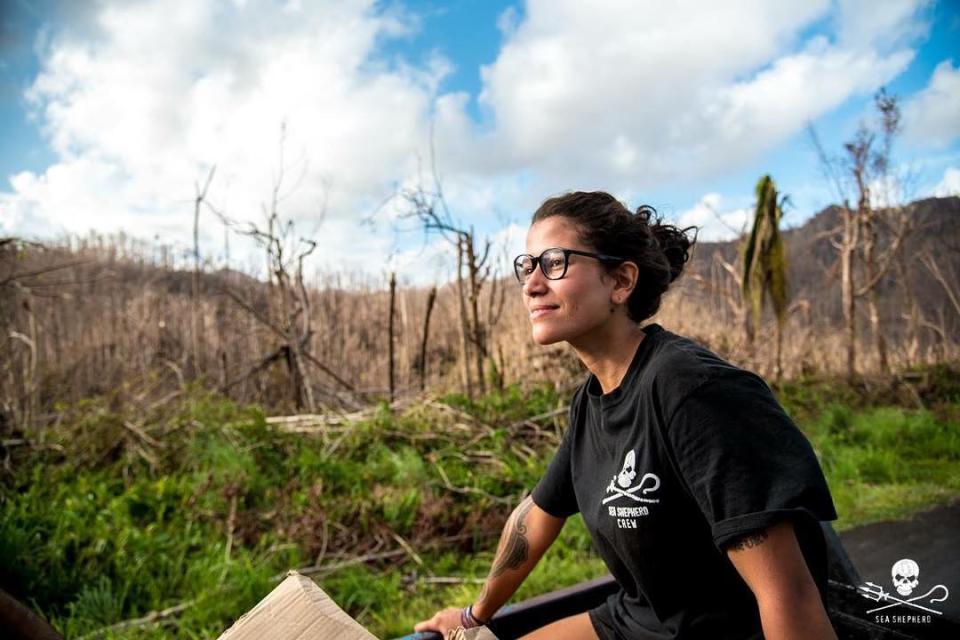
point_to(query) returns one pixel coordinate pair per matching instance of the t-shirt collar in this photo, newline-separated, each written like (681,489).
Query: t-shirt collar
(594,390)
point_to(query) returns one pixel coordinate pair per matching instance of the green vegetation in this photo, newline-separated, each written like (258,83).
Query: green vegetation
(113,513)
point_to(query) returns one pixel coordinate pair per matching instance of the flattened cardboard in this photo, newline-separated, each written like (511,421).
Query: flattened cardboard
(296,610)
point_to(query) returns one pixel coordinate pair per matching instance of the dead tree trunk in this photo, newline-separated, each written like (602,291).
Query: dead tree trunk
(849,301)
(390,330)
(913,314)
(478,339)
(431,299)
(196,316)
(464,330)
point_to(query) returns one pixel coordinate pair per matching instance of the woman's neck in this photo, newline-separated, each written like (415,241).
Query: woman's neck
(609,352)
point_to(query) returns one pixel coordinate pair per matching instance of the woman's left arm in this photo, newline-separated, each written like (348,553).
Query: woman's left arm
(772,565)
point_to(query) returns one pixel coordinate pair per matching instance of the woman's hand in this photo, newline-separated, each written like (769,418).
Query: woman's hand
(442,622)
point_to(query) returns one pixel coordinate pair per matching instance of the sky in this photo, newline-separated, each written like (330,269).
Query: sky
(114,112)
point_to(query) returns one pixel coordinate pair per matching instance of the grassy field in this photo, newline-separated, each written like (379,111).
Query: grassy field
(200,504)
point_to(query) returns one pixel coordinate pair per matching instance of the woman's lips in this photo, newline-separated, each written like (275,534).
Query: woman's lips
(538,312)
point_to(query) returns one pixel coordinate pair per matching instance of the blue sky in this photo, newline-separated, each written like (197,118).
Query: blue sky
(112,111)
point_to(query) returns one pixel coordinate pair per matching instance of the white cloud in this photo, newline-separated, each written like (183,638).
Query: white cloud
(629,96)
(715,221)
(138,114)
(867,23)
(949,185)
(933,115)
(890,190)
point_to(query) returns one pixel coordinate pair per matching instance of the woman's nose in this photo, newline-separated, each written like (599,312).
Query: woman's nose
(536,282)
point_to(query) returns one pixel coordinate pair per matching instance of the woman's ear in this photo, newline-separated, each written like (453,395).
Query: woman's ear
(624,281)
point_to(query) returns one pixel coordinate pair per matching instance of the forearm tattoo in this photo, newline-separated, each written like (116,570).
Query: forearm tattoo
(514,547)
(752,539)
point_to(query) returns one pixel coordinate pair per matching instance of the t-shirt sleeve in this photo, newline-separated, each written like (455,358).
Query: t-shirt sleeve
(554,492)
(744,460)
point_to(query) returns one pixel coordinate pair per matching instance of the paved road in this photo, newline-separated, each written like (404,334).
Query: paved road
(930,538)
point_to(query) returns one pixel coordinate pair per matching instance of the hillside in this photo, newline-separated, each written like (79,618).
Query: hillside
(813,274)
(104,316)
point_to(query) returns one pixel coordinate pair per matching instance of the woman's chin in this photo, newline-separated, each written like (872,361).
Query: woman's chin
(544,335)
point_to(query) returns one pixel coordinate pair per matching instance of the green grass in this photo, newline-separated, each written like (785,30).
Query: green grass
(98,526)
(886,462)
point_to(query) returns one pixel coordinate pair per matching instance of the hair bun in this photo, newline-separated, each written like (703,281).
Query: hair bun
(673,240)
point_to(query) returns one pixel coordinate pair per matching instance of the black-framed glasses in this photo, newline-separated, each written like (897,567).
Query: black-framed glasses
(553,262)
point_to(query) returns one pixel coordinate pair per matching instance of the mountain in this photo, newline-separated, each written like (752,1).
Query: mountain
(814,275)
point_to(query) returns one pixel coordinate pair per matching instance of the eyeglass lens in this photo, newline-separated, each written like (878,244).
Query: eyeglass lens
(552,261)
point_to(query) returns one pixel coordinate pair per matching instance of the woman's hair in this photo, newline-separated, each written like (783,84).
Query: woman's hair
(659,250)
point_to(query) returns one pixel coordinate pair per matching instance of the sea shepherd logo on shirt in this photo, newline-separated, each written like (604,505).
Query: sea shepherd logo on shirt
(620,487)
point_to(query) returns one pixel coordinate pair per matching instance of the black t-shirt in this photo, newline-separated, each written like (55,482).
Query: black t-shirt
(686,455)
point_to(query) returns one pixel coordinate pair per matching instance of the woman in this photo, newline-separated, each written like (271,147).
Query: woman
(700,494)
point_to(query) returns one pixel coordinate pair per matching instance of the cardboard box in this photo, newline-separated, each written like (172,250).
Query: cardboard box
(300,610)
(297,610)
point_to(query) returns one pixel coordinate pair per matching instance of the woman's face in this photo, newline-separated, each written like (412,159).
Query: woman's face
(575,305)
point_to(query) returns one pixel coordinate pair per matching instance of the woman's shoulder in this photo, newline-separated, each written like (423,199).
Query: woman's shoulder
(680,365)
(676,356)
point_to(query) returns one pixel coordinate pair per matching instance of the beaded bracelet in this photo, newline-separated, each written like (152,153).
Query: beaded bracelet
(468,620)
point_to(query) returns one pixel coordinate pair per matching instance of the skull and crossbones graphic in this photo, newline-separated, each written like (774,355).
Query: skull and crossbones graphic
(620,484)
(905,575)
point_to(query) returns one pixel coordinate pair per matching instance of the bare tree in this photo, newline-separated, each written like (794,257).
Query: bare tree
(866,166)
(429,208)
(288,313)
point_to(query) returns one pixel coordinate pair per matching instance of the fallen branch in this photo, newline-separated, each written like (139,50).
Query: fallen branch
(153,617)
(333,567)
(140,433)
(450,580)
(469,490)
(411,580)
(264,362)
(460,414)
(231,525)
(406,547)
(542,416)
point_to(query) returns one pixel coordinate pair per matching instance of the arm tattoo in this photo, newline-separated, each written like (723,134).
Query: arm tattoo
(514,547)
(752,539)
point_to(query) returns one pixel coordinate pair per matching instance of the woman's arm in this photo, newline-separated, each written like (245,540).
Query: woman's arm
(772,565)
(528,533)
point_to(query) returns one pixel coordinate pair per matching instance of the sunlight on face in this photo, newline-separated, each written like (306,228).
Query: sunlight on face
(573,306)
